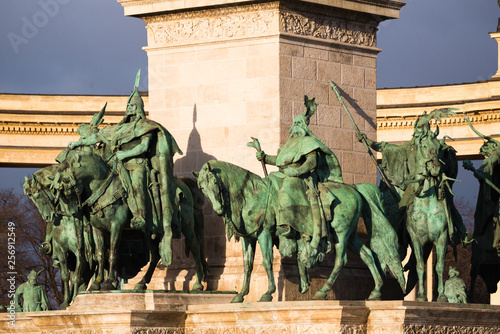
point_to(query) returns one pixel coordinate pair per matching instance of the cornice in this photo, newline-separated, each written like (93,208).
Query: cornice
(262,19)
(393,123)
(37,129)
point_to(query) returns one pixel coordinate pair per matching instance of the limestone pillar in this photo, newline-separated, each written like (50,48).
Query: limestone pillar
(496,36)
(222,71)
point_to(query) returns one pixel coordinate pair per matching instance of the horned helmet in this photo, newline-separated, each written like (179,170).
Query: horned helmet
(303,120)
(135,104)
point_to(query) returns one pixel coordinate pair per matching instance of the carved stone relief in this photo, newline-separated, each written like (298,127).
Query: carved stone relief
(258,20)
(339,30)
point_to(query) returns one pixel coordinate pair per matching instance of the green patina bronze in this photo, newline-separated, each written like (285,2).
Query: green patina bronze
(114,179)
(422,172)
(486,250)
(34,298)
(455,289)
(304,209)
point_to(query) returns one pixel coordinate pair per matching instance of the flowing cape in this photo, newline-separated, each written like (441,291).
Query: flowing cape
(161,153)
(488,198)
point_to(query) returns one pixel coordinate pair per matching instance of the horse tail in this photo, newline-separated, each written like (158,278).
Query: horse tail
(199,221)
(382,236)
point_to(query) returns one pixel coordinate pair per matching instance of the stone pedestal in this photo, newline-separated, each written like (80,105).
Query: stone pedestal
(221,72)
(280,317)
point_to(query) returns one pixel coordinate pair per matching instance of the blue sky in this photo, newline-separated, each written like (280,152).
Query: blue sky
(89,47)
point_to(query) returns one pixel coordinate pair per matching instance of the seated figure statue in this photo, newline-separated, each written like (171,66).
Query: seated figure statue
(304,162)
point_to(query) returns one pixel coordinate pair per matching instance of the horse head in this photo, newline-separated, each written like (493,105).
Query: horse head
(41,197)
(433,162)
(211,186)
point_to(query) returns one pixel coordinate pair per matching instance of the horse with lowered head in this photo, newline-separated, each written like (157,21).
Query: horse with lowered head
(248,206)
(98,189)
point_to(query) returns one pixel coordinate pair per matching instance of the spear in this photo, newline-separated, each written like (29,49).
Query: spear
(370,153)
(468,165)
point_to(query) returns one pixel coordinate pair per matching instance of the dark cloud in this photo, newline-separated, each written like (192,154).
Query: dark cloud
(89,47)
(69,47)
(438,42)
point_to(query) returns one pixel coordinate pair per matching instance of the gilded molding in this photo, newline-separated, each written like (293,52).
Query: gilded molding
(32,129)
(409,122)
(283,329)
(416,329)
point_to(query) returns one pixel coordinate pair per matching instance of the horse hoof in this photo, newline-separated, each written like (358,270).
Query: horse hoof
(442,299)
(140,286)
(375,295)
(237,299)
(304,289)
(63,306)
(96,286)
(197,287)
(108,286)
(320,295)
(266,298)
(421,299)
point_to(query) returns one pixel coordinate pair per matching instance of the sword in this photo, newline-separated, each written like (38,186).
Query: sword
(367,147)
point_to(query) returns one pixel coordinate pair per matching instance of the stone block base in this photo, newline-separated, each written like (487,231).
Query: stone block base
(115,313)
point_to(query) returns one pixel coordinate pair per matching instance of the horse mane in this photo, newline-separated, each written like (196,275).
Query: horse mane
(238,184)
(231,176)
(75,157)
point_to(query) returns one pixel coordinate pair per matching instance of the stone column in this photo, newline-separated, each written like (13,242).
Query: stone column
(496,36)
(223,71)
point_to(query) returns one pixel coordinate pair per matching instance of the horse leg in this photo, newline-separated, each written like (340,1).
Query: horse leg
(304,277)
(419,257)
(441,245)
(193,244)
(111,282)
(356,246)
(248,246)
(100,254)
(266,247)
(61,256)
(154,257)
(340,261)
(474,271)
(77,275)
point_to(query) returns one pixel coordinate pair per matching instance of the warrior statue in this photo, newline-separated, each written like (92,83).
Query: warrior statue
(485,259)
(406,167)
(143,152)
(304,162)
(34,296)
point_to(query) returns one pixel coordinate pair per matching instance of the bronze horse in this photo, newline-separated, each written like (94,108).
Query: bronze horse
(244,201)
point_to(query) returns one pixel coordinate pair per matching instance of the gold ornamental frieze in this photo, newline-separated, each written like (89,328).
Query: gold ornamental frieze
(38,129)
(459,120)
